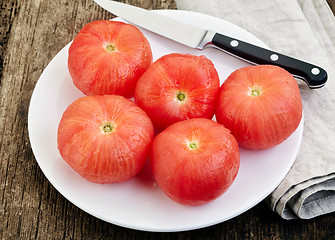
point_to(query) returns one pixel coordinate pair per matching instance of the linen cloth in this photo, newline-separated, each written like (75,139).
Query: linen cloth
(304,29)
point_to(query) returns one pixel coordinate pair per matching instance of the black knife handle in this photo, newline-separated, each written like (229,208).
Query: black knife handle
(314,76)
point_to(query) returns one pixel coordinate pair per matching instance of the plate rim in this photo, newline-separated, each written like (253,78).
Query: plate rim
(69,198)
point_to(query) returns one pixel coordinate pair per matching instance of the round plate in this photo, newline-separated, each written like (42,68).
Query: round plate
(139,203)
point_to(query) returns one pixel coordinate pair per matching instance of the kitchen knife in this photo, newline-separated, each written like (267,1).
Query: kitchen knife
(194,37)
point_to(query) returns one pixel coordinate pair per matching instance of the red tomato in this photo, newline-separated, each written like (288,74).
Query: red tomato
(195,161)
(108,57)
(105,138)
(177,87)
(261,105)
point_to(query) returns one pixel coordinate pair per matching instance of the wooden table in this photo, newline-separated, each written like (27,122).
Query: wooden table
(32,32)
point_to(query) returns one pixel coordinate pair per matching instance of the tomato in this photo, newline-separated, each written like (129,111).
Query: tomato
(108,57)
(105,138)
(194,161)
(177,87)
(261,105)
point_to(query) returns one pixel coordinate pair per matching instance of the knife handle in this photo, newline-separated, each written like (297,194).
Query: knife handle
(314,76)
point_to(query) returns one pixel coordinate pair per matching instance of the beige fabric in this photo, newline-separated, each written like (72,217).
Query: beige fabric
(304,29)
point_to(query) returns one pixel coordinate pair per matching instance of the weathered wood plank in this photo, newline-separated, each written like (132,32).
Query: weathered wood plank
(331,4)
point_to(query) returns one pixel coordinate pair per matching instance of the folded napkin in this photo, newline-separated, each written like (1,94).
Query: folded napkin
(304,29)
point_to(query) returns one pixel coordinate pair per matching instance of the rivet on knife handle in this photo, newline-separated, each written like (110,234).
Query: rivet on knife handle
(314,76)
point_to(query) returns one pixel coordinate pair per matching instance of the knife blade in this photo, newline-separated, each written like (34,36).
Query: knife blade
(194,37)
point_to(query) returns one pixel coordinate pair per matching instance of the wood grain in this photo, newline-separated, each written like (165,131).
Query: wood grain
(331,4)
(32,32)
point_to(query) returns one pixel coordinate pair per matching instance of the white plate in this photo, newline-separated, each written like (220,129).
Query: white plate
(137,203)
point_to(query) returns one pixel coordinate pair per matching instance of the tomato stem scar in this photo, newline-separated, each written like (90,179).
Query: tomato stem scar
(192,145)
(110,47)
(107,127)
(181,96)
(255,91)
